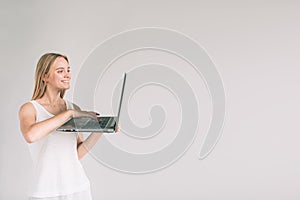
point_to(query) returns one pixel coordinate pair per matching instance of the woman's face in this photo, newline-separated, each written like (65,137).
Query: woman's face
(59,75)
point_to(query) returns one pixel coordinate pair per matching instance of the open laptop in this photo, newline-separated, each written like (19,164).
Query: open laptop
(105,124)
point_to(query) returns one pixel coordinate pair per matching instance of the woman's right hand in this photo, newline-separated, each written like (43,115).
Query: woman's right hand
(80,113)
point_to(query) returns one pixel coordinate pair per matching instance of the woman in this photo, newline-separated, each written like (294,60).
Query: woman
(58,173)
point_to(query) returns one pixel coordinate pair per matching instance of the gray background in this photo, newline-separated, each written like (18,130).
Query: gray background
(255,46)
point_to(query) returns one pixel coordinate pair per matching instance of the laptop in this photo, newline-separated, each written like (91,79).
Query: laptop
(105,124)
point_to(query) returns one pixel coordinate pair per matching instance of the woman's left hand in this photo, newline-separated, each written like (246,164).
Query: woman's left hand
(118,128)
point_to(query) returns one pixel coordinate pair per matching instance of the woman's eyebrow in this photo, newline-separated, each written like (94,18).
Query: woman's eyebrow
(62,68)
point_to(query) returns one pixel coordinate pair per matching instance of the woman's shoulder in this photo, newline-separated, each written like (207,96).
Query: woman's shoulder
(27,107)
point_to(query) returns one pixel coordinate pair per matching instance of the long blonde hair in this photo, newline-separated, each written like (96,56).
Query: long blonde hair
(43,67)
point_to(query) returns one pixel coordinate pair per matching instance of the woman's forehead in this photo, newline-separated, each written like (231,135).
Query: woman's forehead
(60,62)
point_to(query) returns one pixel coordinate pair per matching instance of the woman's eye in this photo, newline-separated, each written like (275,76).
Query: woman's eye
(60,71)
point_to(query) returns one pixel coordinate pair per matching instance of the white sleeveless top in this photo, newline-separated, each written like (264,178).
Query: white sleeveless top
(57,170)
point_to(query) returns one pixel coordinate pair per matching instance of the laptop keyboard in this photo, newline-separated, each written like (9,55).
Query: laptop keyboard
(89,123)
(103,122)
(86,122)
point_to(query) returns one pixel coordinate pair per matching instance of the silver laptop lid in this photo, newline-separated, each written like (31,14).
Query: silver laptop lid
(121,99)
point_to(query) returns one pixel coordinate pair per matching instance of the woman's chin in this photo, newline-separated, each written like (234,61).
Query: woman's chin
(65,88)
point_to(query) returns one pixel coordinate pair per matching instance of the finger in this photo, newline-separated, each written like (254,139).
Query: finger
(94,113)
(90,114)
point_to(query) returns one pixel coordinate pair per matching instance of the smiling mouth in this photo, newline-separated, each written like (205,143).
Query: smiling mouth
(65,81)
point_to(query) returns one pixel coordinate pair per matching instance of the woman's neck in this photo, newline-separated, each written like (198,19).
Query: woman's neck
(51,98)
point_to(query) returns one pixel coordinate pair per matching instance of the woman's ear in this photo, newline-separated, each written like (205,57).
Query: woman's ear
(45,78)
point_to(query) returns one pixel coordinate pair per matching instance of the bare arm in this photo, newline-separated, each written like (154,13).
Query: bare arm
(33,131)
(84,146)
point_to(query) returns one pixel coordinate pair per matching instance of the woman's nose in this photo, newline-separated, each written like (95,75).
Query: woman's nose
(67,75)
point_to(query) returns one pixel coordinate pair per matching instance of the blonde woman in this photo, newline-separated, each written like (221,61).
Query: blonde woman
(58,173)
